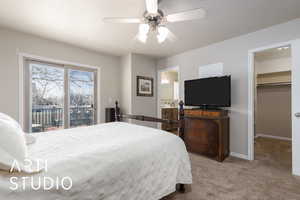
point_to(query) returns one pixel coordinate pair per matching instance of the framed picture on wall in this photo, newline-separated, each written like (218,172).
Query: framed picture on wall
(144,86)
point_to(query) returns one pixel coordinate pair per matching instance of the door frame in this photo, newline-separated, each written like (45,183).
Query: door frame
(158,88)
(22,57)
(251,97)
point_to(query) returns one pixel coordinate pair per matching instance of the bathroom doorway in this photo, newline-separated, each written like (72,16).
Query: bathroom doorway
(168,96)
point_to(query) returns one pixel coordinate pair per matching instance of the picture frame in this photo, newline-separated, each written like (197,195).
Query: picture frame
(144,86)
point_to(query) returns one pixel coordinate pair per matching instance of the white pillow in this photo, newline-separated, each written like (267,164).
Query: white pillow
(12,144)
(10,120)
(13,147)
(29,139)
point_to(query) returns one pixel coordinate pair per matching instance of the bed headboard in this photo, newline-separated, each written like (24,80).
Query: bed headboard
(119,116)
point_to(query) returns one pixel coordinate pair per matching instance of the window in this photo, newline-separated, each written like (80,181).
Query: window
(59,96)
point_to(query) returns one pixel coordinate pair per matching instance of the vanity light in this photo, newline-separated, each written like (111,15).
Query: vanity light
(283,48)
(165,81)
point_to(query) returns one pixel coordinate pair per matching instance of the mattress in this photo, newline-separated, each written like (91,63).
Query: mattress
(112,161)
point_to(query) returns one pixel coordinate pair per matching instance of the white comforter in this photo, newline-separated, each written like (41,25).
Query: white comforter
(113,161)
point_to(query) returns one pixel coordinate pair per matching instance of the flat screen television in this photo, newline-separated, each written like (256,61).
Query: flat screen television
(208,92)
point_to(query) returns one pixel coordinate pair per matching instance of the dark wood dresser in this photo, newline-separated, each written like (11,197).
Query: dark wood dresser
(171,114)
(207,132)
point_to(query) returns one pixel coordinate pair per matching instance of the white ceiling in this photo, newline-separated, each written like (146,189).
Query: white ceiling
(79,22)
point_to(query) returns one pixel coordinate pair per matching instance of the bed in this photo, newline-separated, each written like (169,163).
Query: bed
(109,161)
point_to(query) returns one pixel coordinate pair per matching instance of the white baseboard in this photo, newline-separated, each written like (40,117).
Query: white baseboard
(273,137)
(296,172)
(238,155)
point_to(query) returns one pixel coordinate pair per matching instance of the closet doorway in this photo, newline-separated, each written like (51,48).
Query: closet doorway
(288,48)
(273,109)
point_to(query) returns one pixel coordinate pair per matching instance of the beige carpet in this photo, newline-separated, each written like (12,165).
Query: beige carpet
(267,178)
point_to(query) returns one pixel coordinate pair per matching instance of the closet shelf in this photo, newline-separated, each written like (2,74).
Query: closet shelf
(274,73)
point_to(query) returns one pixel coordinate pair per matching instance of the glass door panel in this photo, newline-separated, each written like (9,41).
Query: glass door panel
(47,97)
(81,98)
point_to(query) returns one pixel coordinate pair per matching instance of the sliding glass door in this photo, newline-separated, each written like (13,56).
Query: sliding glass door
(82,97)
(47,97)
(59,96)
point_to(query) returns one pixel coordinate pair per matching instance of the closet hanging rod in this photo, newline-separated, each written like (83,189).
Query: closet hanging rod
(274,84)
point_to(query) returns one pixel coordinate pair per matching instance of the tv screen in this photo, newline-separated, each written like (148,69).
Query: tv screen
(213,91)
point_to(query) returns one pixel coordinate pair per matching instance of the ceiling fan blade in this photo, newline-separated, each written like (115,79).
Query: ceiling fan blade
(122,20)
(188,15)
(152,6)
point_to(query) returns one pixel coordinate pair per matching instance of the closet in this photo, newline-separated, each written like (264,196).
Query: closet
(273,101)
(273,124)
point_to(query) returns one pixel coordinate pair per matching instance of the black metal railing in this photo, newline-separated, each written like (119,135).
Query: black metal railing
(46,118)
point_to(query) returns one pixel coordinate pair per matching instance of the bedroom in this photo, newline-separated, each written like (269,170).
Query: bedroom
(53,33)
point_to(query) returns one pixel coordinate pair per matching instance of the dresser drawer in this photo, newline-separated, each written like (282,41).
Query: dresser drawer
(206,132)
(204,113)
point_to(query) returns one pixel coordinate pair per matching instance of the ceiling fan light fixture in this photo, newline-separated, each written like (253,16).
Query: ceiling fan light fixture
(144,29)
(142,38)
(143,32)
(162,35)
(154,21)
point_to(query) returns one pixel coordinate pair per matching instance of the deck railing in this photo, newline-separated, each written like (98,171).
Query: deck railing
(51,117)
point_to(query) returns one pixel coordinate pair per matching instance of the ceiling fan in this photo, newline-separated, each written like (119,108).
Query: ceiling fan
(155,21)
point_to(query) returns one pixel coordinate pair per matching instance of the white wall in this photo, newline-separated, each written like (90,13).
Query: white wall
(126,87)
(134,65)
(273,65)
(234,54)
(273,111)
(143,66)
(14,42)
